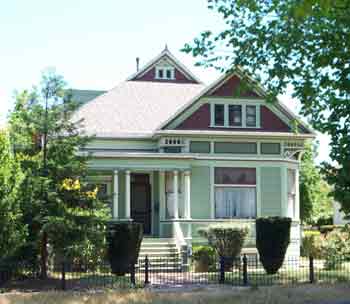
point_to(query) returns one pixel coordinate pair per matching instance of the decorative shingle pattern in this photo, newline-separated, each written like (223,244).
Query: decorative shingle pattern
(134,108)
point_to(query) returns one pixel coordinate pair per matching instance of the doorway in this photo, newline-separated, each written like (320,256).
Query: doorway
(141,200)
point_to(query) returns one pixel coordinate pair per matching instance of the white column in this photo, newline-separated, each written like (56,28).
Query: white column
(187,194)
(127,195)
(115,194)
(176,194)
(297,196)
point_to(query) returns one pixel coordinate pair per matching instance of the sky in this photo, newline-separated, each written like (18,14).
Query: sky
(93,44)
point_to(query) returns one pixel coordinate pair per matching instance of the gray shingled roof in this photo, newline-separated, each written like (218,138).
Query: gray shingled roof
(83,96)
(135,108)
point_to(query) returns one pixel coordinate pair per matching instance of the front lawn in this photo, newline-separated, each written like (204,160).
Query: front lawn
(215,294)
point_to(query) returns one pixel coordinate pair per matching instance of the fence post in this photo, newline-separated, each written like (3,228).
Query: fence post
(222,270)
(146,270)
(245,270)
(132,274)
(311,269)
(63,275)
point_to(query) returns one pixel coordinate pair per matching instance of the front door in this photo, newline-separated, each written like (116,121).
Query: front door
(141,201)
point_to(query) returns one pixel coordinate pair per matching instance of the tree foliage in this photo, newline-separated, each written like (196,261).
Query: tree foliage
(303,44)
(12,231)
(58,206)
(316,205)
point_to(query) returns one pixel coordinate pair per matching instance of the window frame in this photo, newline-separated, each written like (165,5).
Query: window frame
(224,115)
(250,115)
(243,124)
(165,70)
(240,111)
(250,186)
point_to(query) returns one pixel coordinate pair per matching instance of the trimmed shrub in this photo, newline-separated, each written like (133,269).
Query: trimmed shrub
(226,240)
(204,258)
(272,240)
(124,242)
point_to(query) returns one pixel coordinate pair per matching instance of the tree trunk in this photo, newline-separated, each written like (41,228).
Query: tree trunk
(43,256)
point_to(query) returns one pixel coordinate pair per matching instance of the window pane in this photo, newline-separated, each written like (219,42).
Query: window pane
(199,147)
(251,116)
(235,148)
(160,73)
(270,148)
(235,115)
(172,149)
(219,115)
(235,202)
(168,74)
(241,176)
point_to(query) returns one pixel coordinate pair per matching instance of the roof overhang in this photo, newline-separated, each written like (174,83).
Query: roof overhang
(235,134)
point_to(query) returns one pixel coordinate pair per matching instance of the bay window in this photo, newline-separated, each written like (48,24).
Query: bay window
(235,192)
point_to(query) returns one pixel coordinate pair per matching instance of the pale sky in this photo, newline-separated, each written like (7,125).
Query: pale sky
(93,44)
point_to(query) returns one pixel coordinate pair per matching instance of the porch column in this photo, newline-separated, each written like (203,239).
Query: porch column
(176,195)
(127,195)
(115,194)
(187,194)
(297,196)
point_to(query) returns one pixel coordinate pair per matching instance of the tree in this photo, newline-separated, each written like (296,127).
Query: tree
(299,44)
(315,201)
(12,231)
(58,206)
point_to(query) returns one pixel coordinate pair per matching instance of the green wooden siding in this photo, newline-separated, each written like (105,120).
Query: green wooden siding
(271,191)
(200,192)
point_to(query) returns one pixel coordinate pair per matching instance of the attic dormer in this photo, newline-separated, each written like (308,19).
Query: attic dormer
(164,68)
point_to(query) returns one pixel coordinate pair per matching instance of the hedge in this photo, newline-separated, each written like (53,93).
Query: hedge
(124,242)
(272,240)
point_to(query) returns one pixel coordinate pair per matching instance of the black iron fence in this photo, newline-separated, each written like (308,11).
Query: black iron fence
(169,271)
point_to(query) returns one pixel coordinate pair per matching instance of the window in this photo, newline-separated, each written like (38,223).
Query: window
(219,115)
(270,148)
(235,115)
(235,148)
(235,192)
(166,72)
(251,116)
(172,149)
(291,193)
(200,147)
(169,192)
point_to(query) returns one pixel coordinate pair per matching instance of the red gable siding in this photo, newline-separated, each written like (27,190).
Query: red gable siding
(179,77)
(229,87)
(200,120)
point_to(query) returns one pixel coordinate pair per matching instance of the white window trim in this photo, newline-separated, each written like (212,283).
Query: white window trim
(226,116)
(256,186)
(165,69)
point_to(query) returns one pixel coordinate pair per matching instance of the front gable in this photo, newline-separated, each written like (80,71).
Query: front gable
(165,68)
(243,108)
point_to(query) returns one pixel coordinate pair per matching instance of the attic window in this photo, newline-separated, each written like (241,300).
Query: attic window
(165,72)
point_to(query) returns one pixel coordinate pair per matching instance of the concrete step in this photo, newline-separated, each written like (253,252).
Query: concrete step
(158,249)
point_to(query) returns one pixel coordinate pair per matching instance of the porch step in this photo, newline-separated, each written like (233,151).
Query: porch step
(162,253)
